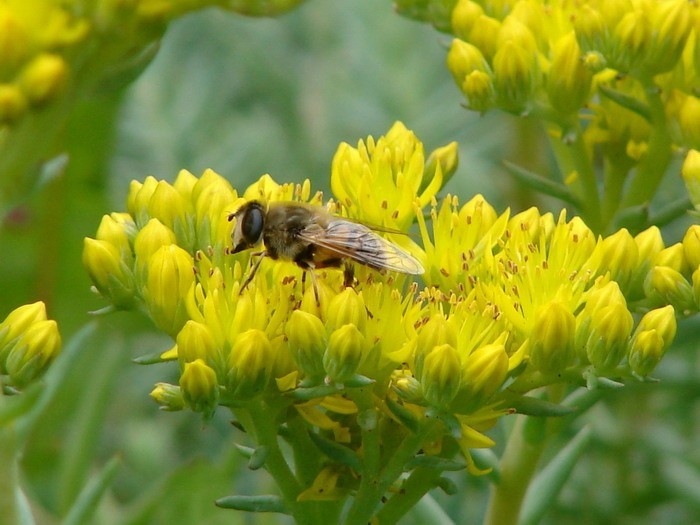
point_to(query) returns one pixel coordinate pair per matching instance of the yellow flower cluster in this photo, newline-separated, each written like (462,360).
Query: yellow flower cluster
(523,54)
(29,342)
(614,78)
(510,303)
(33,37)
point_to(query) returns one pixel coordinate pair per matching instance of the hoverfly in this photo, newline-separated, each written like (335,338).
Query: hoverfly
(313,238)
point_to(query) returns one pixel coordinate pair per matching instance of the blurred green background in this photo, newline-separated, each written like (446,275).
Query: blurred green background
(244,97)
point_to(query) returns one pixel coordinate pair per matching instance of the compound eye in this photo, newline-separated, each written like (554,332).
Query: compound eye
(252,225)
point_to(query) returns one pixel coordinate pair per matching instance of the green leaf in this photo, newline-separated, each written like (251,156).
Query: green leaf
(681,478)
(258,458)
(435,462)
(582,399)
(546,486)
(314,392)
(634,218)
(262,503)
(12,407)
(633,104)
(83,509)
(56,375)
(246,452)
(542,184)
(24,510)
(671,212)
(150,359)
(448,486)
(405,416)
(531,406)
(336,451)
(486,458)
(357,381)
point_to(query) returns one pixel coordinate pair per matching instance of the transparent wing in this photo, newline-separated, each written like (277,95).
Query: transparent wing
(359,243)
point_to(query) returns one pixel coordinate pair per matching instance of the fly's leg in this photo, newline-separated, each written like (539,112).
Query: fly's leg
(348,275)
(252,272)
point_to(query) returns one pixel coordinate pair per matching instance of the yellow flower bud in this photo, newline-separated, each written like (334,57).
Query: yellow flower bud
(437,331)
(649,243)
(645,352)
(307,341)
(696,288)
(610,330)
(168,396)
(484,35)
(621,256)
(212,197)
(347,307)
(514,69)
(19,320)
(185,182)
(590,28)
(151,238)
(552,338)
(446,157)
(168,206)
(691,247)
(346,348)
(108,272)
(170,280)
(199,387)
(138,198)
(32,353)
(569,80)
(672,24)
(463,58)
(670,285)
(602,296)
(663,320)
(44,77)
(483,372)
(250,364)
(673,257)
(440,376)
(633,37)
(479,90)
(195,341)
(13,103)
(14,38)
(688,116)
(464,15)
(691,175)
(118,231)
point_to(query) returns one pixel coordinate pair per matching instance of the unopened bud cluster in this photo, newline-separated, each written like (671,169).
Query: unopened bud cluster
(29,342)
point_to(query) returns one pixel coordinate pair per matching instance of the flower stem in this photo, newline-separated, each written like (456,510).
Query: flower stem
(652,169)
(260,419)
(373,486)
(518,466)
(573,157)
(9,473)
(414,488)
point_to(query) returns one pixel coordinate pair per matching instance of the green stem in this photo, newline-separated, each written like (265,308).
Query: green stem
(373,488)
(414,488)
(518,465)
(573,156)
(614,182)
(307,465)
(261,420)
(653,167)
(9,475)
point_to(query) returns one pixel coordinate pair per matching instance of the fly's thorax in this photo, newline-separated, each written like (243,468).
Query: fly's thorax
(283,224)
